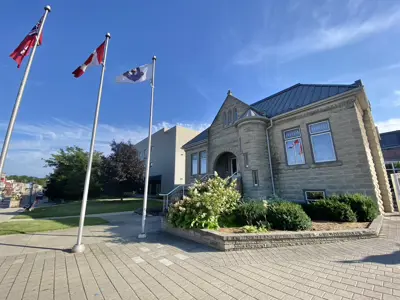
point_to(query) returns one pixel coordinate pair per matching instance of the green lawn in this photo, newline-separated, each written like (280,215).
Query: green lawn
(93,207)
(22,227)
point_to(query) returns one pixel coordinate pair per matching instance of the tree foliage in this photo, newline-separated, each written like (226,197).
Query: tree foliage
(122,170)
(69,171)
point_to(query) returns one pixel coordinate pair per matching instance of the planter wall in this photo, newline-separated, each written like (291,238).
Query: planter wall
(240,241)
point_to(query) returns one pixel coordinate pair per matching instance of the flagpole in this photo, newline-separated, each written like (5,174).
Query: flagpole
(14,114)
(79,247)
(146,183)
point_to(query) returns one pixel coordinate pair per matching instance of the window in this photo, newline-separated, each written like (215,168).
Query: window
(203,162)
(255,177)
(294,147)
(229,117)
(314,195)
(235,114)
(144,153)
(224,119)
(246,160)
(195,163)
(321,142)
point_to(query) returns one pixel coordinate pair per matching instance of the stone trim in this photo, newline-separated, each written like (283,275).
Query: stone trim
(240,241)
(329,164)
(347,103)
(255,119)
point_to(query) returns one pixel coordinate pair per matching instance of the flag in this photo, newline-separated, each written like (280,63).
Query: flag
(95,59)
(25,46)
(297,142)
(137,75)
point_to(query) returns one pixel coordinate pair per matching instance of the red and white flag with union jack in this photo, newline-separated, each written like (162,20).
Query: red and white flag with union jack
(95,59)
(25,46)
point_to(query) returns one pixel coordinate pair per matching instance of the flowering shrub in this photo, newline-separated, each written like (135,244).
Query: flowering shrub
(205,203)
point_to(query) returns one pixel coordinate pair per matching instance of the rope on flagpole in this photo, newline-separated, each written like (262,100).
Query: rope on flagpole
(14,114)
(146,183)
(79,247)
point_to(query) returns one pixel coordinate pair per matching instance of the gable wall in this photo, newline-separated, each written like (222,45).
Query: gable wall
(225,139)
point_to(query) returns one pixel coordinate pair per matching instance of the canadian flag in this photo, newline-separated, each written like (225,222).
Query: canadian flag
(95,59)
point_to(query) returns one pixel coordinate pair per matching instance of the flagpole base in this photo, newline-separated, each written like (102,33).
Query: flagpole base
(142,236)
(78,248)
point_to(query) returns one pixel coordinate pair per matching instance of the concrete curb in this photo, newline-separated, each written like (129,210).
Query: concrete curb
(240,241)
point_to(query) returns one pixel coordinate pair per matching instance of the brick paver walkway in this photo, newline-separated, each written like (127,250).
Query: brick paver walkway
(162,267)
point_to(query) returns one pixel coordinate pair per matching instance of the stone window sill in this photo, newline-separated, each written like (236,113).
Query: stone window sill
(316,165)
(327,164)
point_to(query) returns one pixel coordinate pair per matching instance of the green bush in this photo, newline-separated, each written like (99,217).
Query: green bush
(254,229)
(287,216)
(330,210)
(365,208)
(251,213)
(205,203)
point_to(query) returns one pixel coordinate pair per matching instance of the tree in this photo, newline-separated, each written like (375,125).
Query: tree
(123,171)
(69,171)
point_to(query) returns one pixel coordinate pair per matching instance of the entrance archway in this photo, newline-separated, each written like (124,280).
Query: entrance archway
(226,164)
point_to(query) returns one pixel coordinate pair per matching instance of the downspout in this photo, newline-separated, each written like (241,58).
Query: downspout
(270,160)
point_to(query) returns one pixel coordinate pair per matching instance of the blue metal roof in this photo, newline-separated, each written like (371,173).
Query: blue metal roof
(292,98)
(298,96)
(198,138)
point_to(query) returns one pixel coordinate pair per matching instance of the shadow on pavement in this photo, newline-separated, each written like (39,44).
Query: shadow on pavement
(129,231)
(385,259)
(36,247)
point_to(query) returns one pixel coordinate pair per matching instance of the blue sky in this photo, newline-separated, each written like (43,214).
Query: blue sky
(203,48)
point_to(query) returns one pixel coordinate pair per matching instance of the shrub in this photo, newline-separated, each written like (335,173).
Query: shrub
(254,229)
(330,210)
(251,213)
(205,203)
(365,208)
(287,216)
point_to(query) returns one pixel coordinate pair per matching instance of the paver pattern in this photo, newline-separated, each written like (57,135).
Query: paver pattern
(164,267)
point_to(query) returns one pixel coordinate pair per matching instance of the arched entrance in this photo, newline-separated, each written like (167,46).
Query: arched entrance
(226,164)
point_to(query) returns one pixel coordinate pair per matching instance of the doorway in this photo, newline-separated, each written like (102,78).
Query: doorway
(233,166)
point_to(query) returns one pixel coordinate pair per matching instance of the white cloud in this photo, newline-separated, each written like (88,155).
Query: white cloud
(323,38)
(389,125)
(33,142)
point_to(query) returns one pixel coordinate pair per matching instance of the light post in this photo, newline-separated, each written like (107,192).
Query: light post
(30,193)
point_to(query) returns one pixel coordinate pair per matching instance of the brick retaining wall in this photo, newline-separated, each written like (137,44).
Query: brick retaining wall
(240,241)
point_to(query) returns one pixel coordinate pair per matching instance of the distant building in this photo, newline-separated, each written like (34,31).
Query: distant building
(167,158)
(390,144)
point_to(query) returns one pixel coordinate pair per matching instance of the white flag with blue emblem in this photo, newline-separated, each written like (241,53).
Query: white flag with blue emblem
(137,75)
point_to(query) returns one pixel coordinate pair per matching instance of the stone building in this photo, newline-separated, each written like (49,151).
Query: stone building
(306,142)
